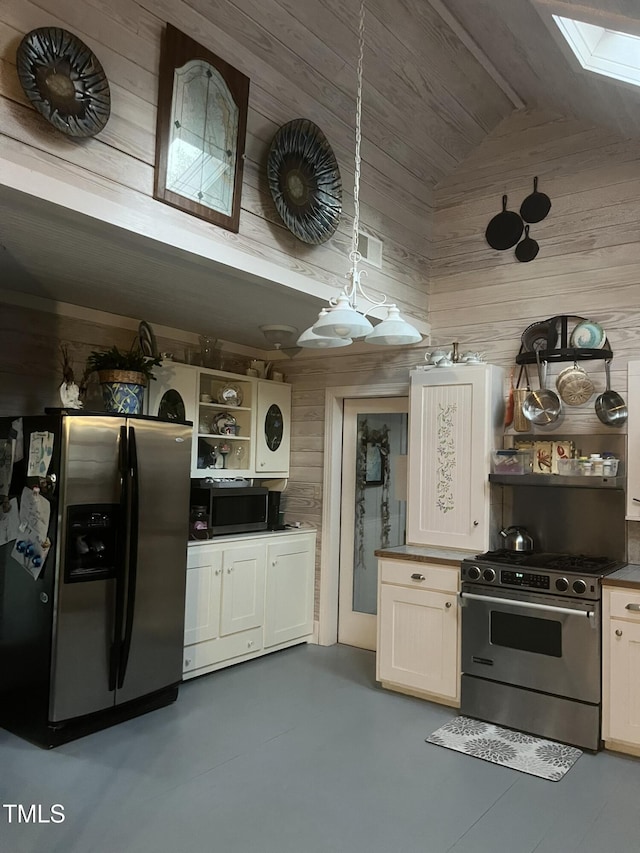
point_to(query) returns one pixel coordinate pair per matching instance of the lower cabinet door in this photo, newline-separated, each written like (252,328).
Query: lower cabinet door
(243,572)
(418,640)
(621,683)
(289,590)
(202,604)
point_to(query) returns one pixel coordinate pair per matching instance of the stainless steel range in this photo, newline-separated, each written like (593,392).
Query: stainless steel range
(531,643)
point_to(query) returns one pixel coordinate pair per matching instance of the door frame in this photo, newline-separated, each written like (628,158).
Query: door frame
(331,497)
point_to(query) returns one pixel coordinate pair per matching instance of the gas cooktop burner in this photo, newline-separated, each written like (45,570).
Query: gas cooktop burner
(581,563)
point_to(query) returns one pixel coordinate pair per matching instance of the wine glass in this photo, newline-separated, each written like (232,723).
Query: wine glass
(238,457)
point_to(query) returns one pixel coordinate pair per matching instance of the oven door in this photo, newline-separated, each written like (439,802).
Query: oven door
(539,642)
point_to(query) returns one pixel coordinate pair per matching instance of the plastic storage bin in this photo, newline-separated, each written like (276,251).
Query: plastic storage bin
(511,462)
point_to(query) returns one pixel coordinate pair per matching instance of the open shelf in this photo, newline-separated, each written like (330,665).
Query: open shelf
(558,481)
(558,348)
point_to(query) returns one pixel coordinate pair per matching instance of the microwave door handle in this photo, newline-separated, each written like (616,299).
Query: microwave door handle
(116,645)
(528,605)
(133,524)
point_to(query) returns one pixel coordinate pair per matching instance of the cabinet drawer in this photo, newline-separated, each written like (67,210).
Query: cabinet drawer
(222,648)
(431,576)
(619,599)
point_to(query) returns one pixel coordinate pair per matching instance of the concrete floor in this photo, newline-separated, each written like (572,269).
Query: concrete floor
(301,752)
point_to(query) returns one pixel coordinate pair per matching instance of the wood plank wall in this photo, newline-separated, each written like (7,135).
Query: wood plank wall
(301,62)
(589,259)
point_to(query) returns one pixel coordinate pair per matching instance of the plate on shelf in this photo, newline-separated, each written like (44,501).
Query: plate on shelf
(539,336)
(224,424)
(588,335)
(230,395)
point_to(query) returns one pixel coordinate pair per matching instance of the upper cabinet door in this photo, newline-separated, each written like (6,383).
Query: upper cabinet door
(273,429)
(454,416)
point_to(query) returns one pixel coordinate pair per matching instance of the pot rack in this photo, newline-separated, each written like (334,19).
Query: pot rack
(564,352)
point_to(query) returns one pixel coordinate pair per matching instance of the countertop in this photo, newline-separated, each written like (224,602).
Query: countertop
(425,554)
(246,537)
(628,576)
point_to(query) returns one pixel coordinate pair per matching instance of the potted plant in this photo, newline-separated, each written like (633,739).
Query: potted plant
(123,377)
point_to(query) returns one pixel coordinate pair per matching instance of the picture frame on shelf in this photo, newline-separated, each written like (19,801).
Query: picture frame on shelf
(200,132)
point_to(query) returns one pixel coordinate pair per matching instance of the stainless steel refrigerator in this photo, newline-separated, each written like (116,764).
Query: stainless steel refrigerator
(98,636)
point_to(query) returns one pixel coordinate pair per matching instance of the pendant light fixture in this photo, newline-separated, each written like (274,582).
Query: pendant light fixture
(341,323)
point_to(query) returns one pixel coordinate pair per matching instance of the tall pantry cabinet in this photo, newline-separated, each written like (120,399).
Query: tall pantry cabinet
(455,421)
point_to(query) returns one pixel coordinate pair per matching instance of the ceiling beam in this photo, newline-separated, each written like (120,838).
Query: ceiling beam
(477,53)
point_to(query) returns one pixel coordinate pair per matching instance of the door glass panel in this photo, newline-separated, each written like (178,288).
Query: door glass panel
(526,633)
(273,427)
(380,499)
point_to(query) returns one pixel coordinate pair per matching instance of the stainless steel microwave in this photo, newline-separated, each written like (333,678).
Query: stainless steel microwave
(233,510)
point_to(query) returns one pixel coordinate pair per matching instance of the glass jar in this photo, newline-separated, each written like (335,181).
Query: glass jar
(198,523)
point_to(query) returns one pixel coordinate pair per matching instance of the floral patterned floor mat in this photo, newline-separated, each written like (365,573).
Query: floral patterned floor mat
(533,755)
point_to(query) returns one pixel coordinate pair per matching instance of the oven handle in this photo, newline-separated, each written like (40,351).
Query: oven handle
(550,608)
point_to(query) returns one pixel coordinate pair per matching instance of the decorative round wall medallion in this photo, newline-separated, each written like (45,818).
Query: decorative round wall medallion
(304,180)
(64,81)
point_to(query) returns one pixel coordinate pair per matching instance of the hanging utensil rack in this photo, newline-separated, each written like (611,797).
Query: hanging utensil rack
(559,328)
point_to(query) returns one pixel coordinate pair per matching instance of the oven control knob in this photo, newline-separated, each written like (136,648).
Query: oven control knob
(473,573)
(579,587)
(562,584)
(489,575)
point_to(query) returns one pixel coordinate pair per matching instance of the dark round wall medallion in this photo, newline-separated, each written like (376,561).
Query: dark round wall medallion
(304,180)
(64,81)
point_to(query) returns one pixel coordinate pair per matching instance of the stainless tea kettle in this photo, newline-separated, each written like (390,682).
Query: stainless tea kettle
(517,539)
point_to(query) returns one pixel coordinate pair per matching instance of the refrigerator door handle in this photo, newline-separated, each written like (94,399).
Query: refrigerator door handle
(123,469)
(133,525)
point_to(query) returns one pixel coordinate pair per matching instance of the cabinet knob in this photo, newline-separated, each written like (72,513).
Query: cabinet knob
(187,661)
(447,604)
(262,464)
(217,571)
(229,570)
(634,607)
(249,644)
(416,576)
(618,632)
(476,523)
(274,562)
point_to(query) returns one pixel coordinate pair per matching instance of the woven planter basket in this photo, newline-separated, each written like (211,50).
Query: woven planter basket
(131,377)
(122,391)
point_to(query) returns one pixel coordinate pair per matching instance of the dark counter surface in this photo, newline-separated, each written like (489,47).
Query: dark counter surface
(425,554)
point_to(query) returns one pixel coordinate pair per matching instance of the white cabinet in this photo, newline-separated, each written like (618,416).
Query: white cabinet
(455,421)
(418,648)
(246,597)
(621,665)
(289,589)
(273,428)
(241,424)
(633,442)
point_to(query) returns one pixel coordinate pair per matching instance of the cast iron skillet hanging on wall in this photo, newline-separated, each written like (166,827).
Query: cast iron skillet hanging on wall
(505,229)
(536,205)
(528,248)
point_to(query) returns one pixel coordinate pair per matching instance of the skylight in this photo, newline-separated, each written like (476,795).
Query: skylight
(602,50)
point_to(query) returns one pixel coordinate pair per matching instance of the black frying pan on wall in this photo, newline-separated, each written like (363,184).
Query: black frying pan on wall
(536,205)
(505,229)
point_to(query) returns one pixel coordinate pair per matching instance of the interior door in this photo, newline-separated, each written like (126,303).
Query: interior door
(373,507)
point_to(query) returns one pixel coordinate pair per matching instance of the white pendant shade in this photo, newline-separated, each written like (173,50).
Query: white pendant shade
(343,321)
(311,340)
(393,331)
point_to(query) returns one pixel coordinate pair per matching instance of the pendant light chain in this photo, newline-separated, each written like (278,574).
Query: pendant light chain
(341,323)
(355,255)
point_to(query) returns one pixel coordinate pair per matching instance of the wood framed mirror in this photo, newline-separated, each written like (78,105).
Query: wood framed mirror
(201,129)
